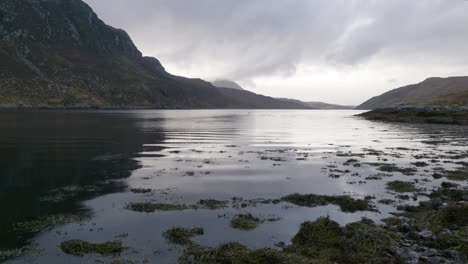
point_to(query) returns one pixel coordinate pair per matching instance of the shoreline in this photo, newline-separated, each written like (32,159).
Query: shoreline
(76,109)
(444,115)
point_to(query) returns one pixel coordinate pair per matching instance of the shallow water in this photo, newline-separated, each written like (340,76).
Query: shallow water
(69,162)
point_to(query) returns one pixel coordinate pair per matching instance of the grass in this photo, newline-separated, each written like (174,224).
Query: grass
(149,207)
(245,222)
(80,247)
(401,186)
(182,236)
(346,203)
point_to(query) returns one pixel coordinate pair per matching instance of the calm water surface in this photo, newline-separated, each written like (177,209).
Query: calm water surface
(62,163)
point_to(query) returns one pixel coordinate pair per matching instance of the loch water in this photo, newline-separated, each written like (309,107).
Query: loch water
(72,175)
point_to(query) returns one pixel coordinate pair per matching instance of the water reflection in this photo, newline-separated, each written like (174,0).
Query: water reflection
(185,156)
(44,151)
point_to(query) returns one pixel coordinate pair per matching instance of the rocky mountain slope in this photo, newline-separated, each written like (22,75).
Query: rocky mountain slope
(56,53)
(445,91)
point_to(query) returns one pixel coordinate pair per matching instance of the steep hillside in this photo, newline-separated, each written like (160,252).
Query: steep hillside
(56,53)
(460,99)
(430,91)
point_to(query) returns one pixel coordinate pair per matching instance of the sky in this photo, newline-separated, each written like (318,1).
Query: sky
(336,51)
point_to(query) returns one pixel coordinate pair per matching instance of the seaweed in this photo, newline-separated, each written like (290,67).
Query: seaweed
(213,204)
(182,236)
(245,222)
(149,207)
(401,186)
(80,247)
(346,203)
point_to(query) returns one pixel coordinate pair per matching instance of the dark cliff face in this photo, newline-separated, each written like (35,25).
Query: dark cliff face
(58,53)
(62,24)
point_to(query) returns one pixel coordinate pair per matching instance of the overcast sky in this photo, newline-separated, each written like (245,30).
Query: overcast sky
(339,51)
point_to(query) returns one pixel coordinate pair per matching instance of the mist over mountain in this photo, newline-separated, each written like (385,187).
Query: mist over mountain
(227,84)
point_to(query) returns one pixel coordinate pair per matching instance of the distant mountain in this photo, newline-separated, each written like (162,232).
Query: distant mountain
(321,105)
(317,105)
(227,84)
(444,91)
(58,53)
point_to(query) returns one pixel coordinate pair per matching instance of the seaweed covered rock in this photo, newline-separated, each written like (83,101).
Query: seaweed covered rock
(80,247)
(235,253)
(360,242)
(346,203)
(245,222)
(182,236)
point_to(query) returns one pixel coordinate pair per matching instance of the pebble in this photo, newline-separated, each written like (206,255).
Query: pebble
(426,234)
(432,260)
(430,252)
(455,255)
(412,257)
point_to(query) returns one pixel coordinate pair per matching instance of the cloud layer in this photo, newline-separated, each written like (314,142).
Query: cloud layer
(300,48)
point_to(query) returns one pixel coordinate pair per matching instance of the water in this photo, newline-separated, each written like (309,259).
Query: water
(86,162)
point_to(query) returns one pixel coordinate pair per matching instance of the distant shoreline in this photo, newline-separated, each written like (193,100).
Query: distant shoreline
(45,108)
(447,115)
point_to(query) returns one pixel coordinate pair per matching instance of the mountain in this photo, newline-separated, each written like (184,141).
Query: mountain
(317,105)
(58,53)
(250,97)
(321,105)
(444,91)
(226,84)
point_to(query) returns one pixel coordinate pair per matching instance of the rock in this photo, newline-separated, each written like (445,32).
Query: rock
(455,255)
(445,232)
(430,252)
(436,203)
(465,197)
(426,234)
(431,260)
(395,251)
(412,257)
(408,255)
(404,228)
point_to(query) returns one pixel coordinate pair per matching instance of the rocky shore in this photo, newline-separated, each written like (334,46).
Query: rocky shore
(450,115)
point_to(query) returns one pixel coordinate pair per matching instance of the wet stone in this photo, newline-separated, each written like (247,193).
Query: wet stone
(431,260)
(426,234)
(430,253)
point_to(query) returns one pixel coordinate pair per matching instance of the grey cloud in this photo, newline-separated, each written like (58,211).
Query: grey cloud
(244,39)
